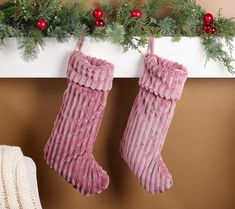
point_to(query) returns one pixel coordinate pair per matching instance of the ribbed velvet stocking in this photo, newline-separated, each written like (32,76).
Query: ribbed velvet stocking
(161,86)
(69,148)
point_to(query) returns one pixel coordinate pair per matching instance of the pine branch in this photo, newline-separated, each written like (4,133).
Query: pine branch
(188,17)
(115,33)
(7,31)
(48,8)
(225,26)
(167,27)
(79,31)
(59,33)
(2,16)
(30,46)
(214,50)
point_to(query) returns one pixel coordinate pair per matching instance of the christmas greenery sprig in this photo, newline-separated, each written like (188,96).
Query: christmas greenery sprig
(129,24)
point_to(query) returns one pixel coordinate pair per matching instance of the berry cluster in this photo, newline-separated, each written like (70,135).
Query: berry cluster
(208,24)
(98,14)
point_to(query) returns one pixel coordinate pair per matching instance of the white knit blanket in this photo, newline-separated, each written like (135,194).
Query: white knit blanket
(15,187)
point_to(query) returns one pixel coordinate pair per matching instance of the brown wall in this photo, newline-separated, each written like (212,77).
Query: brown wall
(199,150)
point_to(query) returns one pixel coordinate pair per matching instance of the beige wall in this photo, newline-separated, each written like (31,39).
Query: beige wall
(199,149)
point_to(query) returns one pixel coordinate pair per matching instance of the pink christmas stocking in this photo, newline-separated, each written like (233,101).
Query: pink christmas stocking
(161,86)
(69,148)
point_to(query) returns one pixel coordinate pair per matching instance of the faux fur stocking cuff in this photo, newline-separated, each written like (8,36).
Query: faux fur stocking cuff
(163,77)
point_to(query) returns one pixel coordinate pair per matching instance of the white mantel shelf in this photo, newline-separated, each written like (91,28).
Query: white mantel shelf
(52,62)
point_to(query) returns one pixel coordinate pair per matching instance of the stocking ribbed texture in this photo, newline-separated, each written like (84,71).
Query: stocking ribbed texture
(69,148)
(15,189)
(161,86)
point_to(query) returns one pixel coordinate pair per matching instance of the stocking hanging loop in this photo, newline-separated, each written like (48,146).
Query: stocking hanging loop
(151,45)
(80,43)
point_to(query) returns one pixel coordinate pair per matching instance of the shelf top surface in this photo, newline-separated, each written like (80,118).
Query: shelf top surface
(52,62)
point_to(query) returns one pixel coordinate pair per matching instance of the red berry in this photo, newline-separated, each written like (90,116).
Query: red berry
(208,19)
(41,24)
(98,13)
(206,28)
(136,13)
(99,23)
(212,30)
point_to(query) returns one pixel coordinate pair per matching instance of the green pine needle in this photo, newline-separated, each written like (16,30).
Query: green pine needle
(1,17)
(214,50)
(115,33)
(29,49)
(167,27)
(30,46)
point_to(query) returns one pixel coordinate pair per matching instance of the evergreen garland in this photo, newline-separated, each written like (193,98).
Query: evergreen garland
(74,19)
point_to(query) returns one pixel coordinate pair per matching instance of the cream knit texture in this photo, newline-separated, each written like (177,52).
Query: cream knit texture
(15,188)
